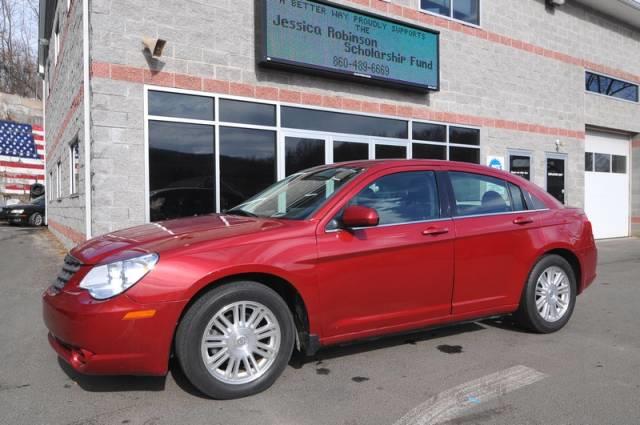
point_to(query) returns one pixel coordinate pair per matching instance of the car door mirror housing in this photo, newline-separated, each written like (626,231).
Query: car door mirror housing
(359,216)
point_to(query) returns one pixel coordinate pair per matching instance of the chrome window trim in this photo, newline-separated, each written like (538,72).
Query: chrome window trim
(389,225)
(457,217)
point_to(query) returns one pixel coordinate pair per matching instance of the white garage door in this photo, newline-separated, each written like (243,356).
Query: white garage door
(607,184)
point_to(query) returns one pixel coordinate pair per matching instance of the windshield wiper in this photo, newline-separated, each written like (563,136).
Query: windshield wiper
(240,211)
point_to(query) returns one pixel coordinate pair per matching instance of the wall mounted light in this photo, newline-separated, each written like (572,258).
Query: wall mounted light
(154,45)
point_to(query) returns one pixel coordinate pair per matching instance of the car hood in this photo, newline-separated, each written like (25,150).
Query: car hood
(166,235)
(18,206)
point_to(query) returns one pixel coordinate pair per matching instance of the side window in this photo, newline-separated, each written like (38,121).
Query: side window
(402,197)
(533,202)
(478,194)
(517,198)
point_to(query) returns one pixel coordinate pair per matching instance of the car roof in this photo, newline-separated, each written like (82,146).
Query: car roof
(380,164)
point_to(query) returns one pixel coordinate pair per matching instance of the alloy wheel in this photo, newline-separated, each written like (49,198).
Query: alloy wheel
(241,342)
(553,294)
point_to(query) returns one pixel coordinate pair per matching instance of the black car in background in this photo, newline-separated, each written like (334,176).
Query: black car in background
(31,213)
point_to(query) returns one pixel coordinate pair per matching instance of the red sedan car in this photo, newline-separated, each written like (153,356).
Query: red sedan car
(331,254)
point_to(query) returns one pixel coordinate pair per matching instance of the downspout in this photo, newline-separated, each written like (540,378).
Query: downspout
(47,195)
(87,117)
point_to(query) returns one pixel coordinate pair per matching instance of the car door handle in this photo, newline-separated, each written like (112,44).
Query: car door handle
(522,220)
(434,231)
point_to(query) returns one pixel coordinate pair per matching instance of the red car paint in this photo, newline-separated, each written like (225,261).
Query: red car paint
(364,283)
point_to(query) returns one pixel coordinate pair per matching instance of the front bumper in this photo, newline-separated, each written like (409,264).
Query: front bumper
(93,338)
(18,219)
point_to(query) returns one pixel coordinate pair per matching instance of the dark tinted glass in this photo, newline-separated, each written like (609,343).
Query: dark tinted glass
(520,166)
(588,161)
(464,154)
(310,119)
(350,151)
(611,87)
(181,105)
(422,151)
(619,164)
(478,194)
(602,162)
(402,197)
(247,112)
(441,7)
(390,152)
(181,170)
(429,132)
(302,153)
(247,164)
(555,178)
(464,136)
(517,198)
(467,10)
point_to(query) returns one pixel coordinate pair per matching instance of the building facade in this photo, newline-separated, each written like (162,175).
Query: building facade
(548,91)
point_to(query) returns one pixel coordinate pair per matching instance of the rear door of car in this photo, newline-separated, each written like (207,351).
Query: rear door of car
(495,242)
(392,276)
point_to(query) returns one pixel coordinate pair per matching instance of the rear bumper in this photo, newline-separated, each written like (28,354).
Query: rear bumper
(93,338)
(589,261)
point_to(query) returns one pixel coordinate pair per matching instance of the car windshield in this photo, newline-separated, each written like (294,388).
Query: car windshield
(297,196)
(38,201)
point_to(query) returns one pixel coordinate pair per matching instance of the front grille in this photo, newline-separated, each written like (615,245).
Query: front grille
(69,268)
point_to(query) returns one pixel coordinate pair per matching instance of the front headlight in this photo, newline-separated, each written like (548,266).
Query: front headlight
(109,280)
(17,211)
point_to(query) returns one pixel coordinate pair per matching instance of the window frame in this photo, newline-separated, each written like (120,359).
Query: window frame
(441,191)
(58,180)
(73,187)
(450,16)
(607,96)
(281,133)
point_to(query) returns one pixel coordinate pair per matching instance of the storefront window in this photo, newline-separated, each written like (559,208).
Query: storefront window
(429,132)
(247,164)
(181,170)
(247,112)
(390,152)
(464,136)
(464,154)
(183,150)
(336,122)
(177,105)
(428,151)
(350,151)
(302,153)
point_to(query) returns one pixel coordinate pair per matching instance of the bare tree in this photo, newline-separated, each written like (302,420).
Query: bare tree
(19,48)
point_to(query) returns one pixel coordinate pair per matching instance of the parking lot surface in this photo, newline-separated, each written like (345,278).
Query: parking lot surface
(487,372)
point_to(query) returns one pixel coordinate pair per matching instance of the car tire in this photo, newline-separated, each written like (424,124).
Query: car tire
(36,219)
(549,296)
(220,327)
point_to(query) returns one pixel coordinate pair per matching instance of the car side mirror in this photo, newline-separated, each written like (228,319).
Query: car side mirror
(359,216)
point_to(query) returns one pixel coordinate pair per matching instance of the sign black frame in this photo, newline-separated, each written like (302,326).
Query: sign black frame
(285,64)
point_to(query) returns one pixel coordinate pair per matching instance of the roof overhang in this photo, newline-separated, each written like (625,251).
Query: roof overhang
(47,13)
(627,11)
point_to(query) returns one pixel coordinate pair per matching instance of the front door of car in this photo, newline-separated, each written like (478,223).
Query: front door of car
(495,235)
(392,275)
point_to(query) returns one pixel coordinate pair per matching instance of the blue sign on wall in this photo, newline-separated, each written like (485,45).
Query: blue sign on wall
(322,37)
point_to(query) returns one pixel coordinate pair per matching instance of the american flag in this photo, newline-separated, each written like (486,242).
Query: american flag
(21,157)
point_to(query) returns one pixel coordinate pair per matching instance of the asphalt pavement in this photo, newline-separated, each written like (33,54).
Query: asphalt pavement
(487,372)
